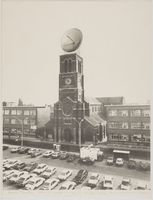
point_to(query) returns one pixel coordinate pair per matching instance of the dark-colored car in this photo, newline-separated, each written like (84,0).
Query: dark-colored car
(19,165)
(131,164)
(36,153)
(81,176)
(87,161)
(71,158)
(30,166)
(63,155)
(23,150)
(5,147)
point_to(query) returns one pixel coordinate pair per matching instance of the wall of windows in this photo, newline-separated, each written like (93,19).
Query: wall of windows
(118,125)
(118,137)
(146,113)
(135,113)
(136,125)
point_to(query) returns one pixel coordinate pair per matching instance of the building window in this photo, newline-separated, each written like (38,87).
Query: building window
(125,125)
(13,121)
(146,113)
(19,112)
(65,66)
(136,138)
(136,125)
(118,125)
(6,120)
(135,113)
(79,66)
(32,112)
(13,112)
(6,112)
(32,122)
(25,121)
(113,113)
(146,126)
(123,113)
(26,112)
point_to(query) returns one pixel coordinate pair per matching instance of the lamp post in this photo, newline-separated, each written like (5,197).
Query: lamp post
(79,123)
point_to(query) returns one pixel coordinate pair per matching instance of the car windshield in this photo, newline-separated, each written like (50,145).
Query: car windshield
(31,182)
(63,188)
(93,177)
(22,179)
(126,183)
(108,181)
(39,167)
(15,175)
(48,170)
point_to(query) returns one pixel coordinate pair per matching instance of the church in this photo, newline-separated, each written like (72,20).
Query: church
(76,119)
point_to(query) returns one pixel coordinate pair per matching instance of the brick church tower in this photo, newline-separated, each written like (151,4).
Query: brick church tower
(70,110)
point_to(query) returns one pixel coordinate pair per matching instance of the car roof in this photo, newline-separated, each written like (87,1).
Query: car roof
(51,180)
(94,174)
(65,170)
(41,164)
(126,179)
(108,177)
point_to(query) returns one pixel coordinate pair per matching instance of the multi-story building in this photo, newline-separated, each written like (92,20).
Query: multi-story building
(128,123)
(27,118)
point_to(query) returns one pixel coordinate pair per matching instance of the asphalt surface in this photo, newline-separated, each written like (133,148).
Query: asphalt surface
(100,167)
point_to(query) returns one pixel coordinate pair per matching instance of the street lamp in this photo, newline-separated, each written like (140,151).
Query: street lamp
(79,123)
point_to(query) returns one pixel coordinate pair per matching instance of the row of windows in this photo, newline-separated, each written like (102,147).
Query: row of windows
(19,112)
(133,113)
(125,125)
(134,138)
(15,121)
(95,108)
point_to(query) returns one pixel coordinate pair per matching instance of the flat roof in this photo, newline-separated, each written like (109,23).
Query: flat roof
(121,151)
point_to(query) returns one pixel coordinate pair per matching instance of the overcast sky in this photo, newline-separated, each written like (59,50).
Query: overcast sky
(116,48)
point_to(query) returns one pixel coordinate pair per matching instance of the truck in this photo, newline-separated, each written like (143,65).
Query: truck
(90,154)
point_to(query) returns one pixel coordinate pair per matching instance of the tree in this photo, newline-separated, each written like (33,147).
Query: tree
(20,102)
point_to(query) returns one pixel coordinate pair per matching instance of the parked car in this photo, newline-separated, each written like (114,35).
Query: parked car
(64,174)
(50,184)
(34,183)
(23,150)
(119,162)
(15,149)
(125,184)
(87,160)
(63,155)
(30,166)
(141,186)
(36,153)
(47,154)
(131,164)
(19,165)
(93,180)
(85,188)
(40,168)
(6,161)
(10,164)
(55,155)
(107,183)
(8,174)
(31,150)
(110,161)
(23,180)
(81,176)
(48,172)
(68,185)
(144,166)
(5,147)
(15,177)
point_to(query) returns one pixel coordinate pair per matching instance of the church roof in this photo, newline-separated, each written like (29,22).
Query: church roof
(94,119)
(92,100)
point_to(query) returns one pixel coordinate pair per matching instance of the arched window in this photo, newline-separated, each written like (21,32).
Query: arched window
(65,66)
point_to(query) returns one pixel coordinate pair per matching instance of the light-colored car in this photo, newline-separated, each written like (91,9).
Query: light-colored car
(8,174)
(48,153)
(119,162)
(15,177)
(141,186)
(31,150)
(10,164)
(48,172)
(64,174)
(93,180)
(40,168)
(68,185)
(126,184)
(110,161)
(50,184)
(24,179)
(108,183)
(34,183)
(86,188)
(15,149)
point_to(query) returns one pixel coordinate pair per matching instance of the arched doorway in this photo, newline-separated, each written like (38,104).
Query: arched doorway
(67,136)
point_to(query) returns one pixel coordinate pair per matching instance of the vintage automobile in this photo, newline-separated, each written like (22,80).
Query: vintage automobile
(119,162)
(15,177)
(23,180)
(40,168)
(110,161)
(55,155)
(23,150)
(8,174)
(34,183)
(19,165)
(30,166)
(93,180)
(64,174)
(10,164)
(107,183)
(63,155)
(48,153)
(15,149)
(125,184)
(68,185)
(50,184)
(48,172)
(81,176)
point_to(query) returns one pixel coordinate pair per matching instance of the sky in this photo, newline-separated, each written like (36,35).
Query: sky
(116,48)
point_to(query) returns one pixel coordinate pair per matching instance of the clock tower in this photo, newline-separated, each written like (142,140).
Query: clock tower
(69,111)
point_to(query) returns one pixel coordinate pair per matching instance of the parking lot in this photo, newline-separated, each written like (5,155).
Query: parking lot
(101,168)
